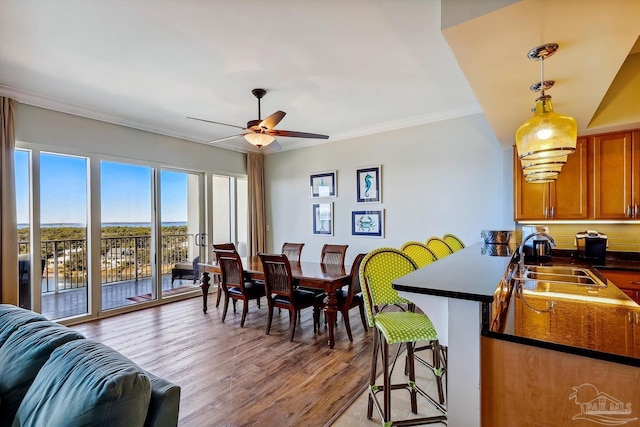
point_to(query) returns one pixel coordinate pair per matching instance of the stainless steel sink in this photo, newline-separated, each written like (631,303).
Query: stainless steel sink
(543,277)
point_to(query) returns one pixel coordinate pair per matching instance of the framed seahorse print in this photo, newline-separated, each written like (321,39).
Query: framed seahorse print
(369,184)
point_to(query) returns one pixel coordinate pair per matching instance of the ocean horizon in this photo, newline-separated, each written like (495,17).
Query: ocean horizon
(106,224)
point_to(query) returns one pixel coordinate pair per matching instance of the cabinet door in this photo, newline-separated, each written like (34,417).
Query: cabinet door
(612,175)
(626,280)
(569,196)
(531,201)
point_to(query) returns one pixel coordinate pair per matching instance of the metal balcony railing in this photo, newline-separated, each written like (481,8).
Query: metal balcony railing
(123,258)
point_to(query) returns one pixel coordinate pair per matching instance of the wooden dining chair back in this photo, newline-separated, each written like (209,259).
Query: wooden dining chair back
(454,242)
(292,251)
(419,253)
(439,248)
(333,254)
(235,283)
(217,278)
(281,292)
(352,297)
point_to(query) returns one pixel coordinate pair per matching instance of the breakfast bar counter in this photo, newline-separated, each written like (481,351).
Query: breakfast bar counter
(530,352)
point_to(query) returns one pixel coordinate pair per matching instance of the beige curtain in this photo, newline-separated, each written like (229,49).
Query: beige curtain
(257,233)
(8,221)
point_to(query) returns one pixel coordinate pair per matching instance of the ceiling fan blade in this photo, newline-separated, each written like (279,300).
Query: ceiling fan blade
(294,134)
(274,147)
(225,138)
(217,123)
(271,121)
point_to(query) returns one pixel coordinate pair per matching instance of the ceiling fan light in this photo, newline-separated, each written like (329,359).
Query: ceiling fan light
(547,134)
(259,139)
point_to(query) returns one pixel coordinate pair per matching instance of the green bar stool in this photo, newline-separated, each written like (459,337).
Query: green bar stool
(439,247)
(454,242)
(419,253)
(404,327)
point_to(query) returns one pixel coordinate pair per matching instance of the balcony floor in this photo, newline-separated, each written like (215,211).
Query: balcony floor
(73,302)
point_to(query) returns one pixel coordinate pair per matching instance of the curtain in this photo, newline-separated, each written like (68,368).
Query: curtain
(257,234)
(8,221)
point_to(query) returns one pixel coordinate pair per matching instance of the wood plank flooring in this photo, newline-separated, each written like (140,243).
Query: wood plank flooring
(232,376)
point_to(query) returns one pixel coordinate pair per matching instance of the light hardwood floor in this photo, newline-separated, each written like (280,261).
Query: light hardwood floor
(232,376)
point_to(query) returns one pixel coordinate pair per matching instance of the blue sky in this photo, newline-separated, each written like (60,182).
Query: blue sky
(125,191)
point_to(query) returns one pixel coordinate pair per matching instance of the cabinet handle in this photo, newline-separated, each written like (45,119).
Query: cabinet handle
(635,211)
(628,211)
(546,211)
(553,211)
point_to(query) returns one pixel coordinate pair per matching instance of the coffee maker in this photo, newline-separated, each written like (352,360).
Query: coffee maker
(537,248)
(592,246)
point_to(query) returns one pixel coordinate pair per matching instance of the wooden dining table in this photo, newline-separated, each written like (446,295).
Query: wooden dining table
(327,277)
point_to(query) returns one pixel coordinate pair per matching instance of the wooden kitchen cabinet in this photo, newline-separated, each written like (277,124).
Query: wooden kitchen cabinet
(616,175)
(628,281)
(566,198)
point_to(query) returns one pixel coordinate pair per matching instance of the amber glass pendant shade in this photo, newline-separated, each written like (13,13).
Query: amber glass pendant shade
(547,135)
(259,139)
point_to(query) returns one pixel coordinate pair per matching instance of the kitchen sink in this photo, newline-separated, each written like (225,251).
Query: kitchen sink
(544,277)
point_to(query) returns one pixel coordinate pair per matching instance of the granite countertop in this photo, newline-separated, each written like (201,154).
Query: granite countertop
(603,323)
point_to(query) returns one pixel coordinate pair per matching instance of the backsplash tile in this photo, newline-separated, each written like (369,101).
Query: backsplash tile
(621,237)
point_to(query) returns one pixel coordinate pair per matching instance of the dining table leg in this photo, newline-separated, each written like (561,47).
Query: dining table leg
(204,285)
(331,313)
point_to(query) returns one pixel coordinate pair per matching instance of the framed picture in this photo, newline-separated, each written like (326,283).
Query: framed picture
(323,184)
(367,223)
(323,218)
(369,188)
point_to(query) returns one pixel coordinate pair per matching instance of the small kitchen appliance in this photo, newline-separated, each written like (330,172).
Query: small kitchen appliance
(539,247)
(592,246)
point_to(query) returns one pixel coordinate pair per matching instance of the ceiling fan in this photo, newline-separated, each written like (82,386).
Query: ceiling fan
(261,133)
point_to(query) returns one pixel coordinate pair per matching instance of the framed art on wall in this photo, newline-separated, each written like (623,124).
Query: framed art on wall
(369,188)
(323,218)
(323,184)
(367,223)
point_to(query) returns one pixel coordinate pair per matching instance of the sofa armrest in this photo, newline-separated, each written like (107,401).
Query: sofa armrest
(164,404)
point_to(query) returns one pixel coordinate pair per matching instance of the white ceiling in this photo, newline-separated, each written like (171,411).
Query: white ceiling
(344,68)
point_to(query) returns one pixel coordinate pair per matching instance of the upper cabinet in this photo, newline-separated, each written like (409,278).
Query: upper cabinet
(566,198)
(616,175)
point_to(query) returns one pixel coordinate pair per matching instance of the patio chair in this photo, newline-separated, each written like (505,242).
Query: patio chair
(439,248)
(405,327)
(454,242)
(186,271)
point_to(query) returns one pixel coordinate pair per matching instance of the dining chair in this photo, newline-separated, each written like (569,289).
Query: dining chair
(333,254)
(235,284)
(418,252)
(217,277)
(439,248)
(402,326)
(350,296)
(454,242)
(292,251)
(281,292)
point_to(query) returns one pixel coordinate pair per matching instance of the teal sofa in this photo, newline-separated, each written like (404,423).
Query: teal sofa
(51,375)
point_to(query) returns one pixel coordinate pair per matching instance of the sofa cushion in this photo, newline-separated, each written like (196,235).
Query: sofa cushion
(86,383)
(12,317)
(22,356)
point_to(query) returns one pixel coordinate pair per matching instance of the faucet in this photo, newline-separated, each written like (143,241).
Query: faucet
(521,250)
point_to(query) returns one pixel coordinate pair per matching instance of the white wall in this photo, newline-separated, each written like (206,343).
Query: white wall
(450,176)
(82,135)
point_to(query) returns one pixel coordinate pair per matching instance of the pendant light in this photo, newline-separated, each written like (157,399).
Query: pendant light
(545,140)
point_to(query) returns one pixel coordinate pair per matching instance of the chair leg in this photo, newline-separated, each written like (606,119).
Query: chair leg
(245,309)
(270,317)
(316,319)
(373,374)
(294,320)
(362,315)
(225,307)
(233,301)
(219,292)
(347,325)
(412,377)
(387,381)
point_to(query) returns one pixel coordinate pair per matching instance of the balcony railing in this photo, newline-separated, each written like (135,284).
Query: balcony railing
(123,258)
